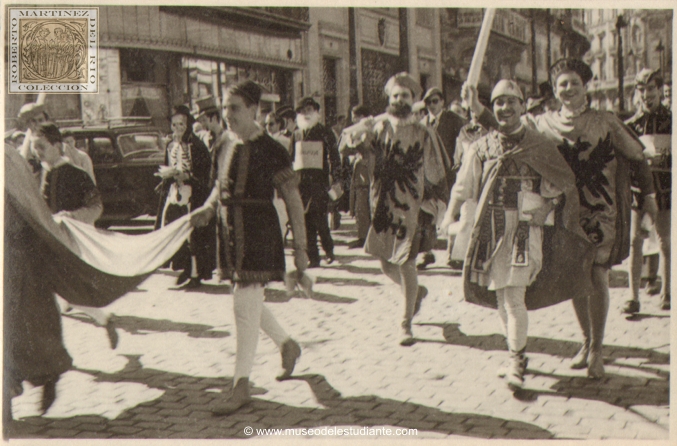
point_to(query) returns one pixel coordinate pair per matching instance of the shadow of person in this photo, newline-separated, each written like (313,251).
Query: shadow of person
(371,410)
(535,344)
(618,390)
(281,296)
(182,411)
(140,326)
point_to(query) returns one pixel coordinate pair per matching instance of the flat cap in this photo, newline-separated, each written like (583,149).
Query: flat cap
(405,80)
(432,92)
(506,87)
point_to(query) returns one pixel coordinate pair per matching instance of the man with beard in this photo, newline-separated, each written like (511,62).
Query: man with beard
(448,125)
(653,123)
(315,154)
(407,178)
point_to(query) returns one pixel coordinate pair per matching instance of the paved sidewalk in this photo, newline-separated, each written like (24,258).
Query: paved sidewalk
(176,354)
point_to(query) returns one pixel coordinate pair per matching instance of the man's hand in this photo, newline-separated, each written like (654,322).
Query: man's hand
(300,259)
(538,216)
(470,96)
(165,172)
(650,207)
(201,216)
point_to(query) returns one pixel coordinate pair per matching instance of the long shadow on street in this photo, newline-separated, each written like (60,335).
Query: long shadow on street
(182,412)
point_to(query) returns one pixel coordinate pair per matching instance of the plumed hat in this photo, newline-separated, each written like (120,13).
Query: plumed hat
(403,79)
(506,87)
(571,65)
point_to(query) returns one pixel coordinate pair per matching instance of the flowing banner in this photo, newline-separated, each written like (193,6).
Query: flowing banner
(87,266)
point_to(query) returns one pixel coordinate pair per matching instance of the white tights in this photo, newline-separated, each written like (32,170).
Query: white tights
(250,316)
(513,313)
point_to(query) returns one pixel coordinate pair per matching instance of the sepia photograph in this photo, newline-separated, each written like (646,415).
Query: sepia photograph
(312,223)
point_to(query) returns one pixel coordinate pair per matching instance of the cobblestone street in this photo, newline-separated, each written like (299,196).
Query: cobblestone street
(177,350)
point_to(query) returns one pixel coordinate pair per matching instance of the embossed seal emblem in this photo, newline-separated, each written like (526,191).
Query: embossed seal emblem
(53,50)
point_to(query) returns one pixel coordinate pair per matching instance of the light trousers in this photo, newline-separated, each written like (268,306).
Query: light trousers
(513,313)
(662,225)
(251,315)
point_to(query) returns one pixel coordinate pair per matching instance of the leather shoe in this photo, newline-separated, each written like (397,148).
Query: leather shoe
(652,287)
(422,293)
(580,361)
(291,351)
(183,277)
(428,259)
(595,365)
(407,338)
(665,302)
(194,282)
(238,398)
(631,307)
(359,243)
(330,258)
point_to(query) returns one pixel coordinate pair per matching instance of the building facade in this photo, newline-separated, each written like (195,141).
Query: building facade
(155,57)
(522,46)
(646,43)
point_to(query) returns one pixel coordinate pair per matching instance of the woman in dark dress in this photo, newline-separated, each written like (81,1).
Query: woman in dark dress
(185,186)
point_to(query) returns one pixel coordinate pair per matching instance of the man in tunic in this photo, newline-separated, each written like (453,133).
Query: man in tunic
(653,118)
(31,115)
(519,179)
(251,249)
(602,152)
(407,179)
(317,164)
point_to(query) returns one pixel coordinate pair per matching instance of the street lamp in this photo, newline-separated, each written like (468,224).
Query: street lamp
(620,24)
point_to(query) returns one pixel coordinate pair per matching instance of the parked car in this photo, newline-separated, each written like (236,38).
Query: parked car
(125,160)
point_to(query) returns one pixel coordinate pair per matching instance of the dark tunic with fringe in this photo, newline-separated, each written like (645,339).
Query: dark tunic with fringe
(250,240)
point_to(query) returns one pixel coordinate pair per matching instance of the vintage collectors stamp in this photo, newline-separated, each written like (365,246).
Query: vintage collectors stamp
(53,50)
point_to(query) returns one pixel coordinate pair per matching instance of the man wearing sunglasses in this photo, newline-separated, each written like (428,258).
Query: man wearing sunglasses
(448,125)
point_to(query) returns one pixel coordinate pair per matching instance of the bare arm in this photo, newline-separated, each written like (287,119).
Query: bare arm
(289,191)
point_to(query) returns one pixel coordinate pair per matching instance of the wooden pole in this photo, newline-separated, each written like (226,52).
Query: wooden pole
(481,47)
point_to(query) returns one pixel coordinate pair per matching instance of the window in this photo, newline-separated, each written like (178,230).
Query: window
(140,145)
(102,150)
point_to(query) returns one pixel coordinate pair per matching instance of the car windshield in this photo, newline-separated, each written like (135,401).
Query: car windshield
(140,145)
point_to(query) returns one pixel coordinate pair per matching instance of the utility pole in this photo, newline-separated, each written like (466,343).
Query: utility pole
(352,49)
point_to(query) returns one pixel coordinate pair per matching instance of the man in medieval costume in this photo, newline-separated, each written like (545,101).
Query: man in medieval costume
(602,153)
(524,188)
(408,180)
(251,251)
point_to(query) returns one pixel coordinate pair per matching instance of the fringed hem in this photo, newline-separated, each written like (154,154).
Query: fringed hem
(253,276)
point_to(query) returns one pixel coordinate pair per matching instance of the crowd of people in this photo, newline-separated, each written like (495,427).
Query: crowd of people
(529,193)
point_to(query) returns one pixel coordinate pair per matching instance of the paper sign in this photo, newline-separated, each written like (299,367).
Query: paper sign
(308,155)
